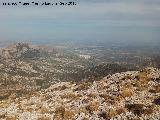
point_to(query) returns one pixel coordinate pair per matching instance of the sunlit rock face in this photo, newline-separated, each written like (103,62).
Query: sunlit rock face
(126,95)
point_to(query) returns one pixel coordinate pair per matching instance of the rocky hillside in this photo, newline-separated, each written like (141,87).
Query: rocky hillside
(25,67)
(19,50)
(132,95)
(17,73)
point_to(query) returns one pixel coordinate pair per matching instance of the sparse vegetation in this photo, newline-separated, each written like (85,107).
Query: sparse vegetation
(67,86)
(137,109)
(92,106)
(126,92)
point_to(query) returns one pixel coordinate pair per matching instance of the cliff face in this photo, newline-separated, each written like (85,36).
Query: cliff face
(126,95)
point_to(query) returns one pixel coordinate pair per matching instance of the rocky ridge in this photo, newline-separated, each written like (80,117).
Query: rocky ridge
(122,96)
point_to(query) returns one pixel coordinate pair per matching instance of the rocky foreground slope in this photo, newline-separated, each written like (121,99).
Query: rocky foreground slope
(132,95)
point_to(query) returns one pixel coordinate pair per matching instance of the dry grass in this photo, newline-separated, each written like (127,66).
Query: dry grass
(5,103)
(45,97)
(29,109)
(148,111)
(83,109)
(114,99)
(68,115)
(111,113)
(4,95)
(71,96)
(85,119)
(142,80)
(2,116)
(137,109)
(127,77)
(110,99)
(92,95)
(62,114)
(105,96)
(93,106)
(84,86)
(59,113)
(63,87)
(120,111)
(142,84)
(157,88)
(11,118)
(44,110)
(103,115)
(43,118)
(126,92)
(13,96)
(142,75)
(87,100)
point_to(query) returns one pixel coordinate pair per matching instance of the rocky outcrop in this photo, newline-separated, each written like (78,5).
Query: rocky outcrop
(21,51)
(15,50)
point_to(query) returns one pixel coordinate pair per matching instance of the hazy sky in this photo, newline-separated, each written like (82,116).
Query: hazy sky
(94,20)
